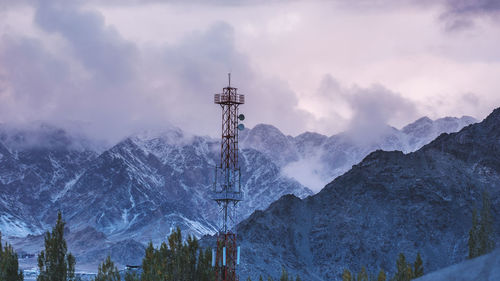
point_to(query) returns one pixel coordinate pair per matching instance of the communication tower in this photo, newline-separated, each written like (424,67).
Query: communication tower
(227,190)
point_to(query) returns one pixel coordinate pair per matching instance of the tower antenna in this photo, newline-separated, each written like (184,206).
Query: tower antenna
(227,186)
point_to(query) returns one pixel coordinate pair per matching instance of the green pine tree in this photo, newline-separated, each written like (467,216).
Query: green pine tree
(55,263)
(381,276)
(486,235)
(107,271)
(132,276)
(481,235)
(362,274)
(149,264)
(404,271)
(418,267)
(346,275)
(284,275)
(177,260)
(474,236)
(9,264)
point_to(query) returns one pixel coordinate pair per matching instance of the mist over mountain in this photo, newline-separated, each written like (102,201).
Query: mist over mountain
(314,159)
(389,203)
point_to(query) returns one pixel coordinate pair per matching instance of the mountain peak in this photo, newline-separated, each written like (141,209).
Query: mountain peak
(265,129)
(493,116)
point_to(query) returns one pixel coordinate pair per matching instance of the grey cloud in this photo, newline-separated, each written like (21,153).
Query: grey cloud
(462,14)
(471,98)
(111,88)
(372,108)
(198,66)
(99,47)
(473,7)
(36,77)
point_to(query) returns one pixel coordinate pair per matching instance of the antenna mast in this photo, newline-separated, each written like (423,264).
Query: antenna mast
(227,190)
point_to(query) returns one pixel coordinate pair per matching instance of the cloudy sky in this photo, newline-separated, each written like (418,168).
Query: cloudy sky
(117,67)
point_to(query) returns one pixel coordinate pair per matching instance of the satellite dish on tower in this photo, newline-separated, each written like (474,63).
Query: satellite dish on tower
(241,117)
(241,127)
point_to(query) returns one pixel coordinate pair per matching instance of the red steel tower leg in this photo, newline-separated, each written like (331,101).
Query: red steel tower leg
(227,192)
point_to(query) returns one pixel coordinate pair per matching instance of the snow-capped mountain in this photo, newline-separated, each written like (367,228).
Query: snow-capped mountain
(139,189)
(147,184)
(389,203)
(314,159)
(36,169)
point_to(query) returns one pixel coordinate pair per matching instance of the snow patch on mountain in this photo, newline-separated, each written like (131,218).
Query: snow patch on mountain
(11,226)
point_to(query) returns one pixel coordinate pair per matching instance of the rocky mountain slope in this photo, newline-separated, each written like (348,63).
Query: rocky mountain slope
(37,167)
(314,159)
(138,189)
(389,203)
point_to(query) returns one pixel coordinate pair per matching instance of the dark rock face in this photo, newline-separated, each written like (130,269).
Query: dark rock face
(389,203)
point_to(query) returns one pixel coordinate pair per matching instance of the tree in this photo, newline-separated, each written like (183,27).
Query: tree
(55,263)
(177,260)
(9,264)
(107,271)
(404,270)
(131,276)
(486,237)
(418,267)
(284,275)
(149,272)
(381,276)
(473,236)
(363,274)
(297,278)
(481,235)
(346,275)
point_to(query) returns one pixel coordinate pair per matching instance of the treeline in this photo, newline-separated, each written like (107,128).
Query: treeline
(405,271)
(284,277)
(185,260)
(9,264)
(481,234)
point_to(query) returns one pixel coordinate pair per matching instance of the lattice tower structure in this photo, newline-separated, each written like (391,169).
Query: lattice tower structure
(227,190)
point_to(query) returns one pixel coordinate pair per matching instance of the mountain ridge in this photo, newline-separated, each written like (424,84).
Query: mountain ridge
(390,202)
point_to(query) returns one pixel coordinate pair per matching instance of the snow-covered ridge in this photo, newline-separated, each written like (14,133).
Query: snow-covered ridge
(314,159)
